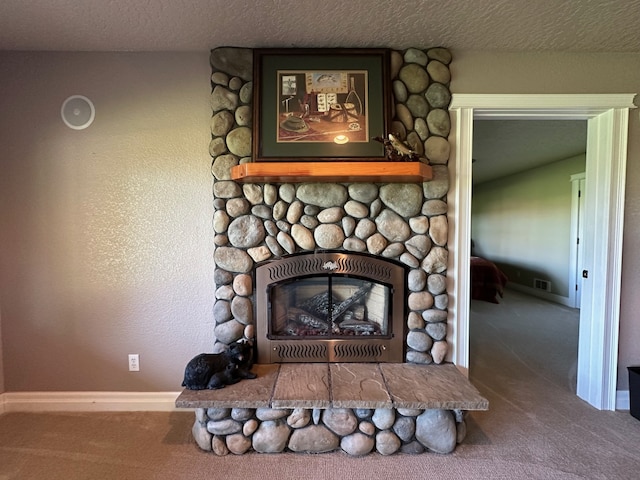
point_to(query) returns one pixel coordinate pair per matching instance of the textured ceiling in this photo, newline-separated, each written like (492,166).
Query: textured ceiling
(179,25)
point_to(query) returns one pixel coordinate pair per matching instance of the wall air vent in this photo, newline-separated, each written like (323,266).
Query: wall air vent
(540,284)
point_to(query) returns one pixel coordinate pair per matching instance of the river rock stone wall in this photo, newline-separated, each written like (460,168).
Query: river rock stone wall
(357,431)
(405,222)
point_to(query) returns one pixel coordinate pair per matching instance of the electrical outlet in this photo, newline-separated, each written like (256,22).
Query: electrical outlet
(134,362)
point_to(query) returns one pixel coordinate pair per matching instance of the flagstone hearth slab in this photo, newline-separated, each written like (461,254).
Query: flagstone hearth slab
(302,385)
(358,385)
(431,387)
(254,393)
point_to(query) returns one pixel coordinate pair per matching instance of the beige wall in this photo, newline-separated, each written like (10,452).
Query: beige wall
(105,233)
(490,72)
(105,243)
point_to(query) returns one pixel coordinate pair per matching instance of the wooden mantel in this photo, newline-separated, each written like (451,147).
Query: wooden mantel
(376,172)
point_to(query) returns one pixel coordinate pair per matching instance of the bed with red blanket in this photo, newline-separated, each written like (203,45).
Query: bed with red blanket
(487,280)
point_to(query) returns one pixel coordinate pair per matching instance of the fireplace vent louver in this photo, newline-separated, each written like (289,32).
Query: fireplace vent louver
(362,352)
(300,351)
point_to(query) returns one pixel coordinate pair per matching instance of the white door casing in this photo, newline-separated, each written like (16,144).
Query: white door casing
(607,117)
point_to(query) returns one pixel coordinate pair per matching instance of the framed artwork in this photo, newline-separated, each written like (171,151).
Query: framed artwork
(320,104)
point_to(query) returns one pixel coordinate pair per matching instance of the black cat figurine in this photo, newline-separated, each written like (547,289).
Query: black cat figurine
(216,370)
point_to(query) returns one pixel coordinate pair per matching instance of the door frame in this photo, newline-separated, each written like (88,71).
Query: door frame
(575,238)
(607,118)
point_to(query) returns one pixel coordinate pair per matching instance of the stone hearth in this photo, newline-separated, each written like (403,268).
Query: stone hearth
(356,407)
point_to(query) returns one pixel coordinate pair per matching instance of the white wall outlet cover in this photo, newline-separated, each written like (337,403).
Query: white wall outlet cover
(77,112)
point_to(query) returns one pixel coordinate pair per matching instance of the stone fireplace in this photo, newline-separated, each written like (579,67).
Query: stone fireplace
(325,276)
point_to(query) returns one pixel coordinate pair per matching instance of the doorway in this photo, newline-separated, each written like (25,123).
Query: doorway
(607,117)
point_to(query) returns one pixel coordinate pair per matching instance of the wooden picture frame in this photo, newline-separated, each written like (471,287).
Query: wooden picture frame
(320,104)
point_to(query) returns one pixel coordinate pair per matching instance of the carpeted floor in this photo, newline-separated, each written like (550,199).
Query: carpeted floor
(523,362)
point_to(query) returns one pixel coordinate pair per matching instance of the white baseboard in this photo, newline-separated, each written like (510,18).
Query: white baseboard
(622,400)
(87,401)
(534,292)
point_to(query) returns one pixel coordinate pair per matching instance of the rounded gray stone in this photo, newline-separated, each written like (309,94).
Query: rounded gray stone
(418,246)
(414,77)
(413,55)
(223,427)
(415,321)
(273,246)
(233,259)
(393,250)
(217,146)
(223,99)
(409,260)
(311,210)
(438,122)
(218,413)
(414,141)
(253,193)
(235,61)
(246,92)
(356,209)
(441,301)
(419,225)
(283,226)
(261,211)
(376,208)
(270,194)
(220,78)
(222,311)
(438,95)
(242,310)
(420,358)
(294,212)
(202,436)
(237,207)
(436,284)
(221,123)
(392,226)
(383,418)
(340,421)
(438,230)
(419,341)
(412,448)
(286,242)
(437,331)
(300,417)
(222,277)
(433,316)
(438,186)
(271,437)
(434,207)
(309,221)
(436,261)
(439,72)
(313,439)
(396,63)
(221,167)
(399,91)
(328,236)
(439,351)
(228,332)
(246,231)
(416,280)
(354,245)
(323,194)
(362,412)
(348,226)
(357,444)
(441,54)
(280,210)
(330,215)
(239,141)
(365,228)
(398,129)
(220,221)
(267,413)
(237,443)
(387,443)
(421,128)
(418,106)
(405,428)
(287,192)
(225,292)
(437,150)
(243,116)
(226,189)
(420,300)
(376,243)
(303,237)
(403,198)
(436,430)
(219,446)
(404,115)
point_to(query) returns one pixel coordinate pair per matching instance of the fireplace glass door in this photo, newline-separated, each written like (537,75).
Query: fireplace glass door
(329,307)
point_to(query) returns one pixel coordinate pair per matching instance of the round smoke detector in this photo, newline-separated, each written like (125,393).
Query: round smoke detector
(77,112)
